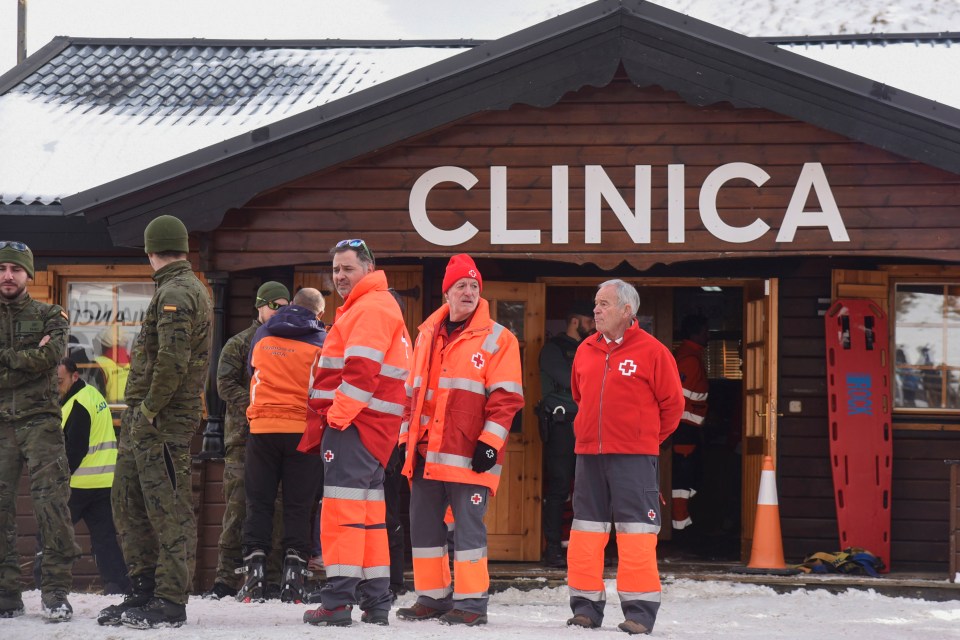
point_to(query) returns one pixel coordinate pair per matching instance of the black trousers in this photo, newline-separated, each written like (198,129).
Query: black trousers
(391,495)
(93,507)
(272,461)
(559,463)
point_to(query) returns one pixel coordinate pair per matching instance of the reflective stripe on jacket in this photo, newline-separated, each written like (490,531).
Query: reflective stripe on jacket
(359,377)
(97,467)
(468,391)
(693,376)
(629,394)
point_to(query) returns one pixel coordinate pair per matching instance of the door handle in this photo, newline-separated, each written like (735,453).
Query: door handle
(764,414)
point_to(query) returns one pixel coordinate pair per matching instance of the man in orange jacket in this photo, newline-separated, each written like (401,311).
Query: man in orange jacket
(630,400)
(687,455)
(465,388)
(282,354)
(356,403)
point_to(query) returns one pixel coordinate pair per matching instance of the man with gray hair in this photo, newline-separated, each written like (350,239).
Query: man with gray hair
(630,400)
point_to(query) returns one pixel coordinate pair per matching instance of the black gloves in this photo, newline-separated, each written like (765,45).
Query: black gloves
(484,457)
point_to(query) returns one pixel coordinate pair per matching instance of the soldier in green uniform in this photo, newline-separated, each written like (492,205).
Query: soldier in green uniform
(33,338)
(152,499)
(233,384)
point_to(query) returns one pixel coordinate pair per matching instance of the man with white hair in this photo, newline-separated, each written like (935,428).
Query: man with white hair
(630,400)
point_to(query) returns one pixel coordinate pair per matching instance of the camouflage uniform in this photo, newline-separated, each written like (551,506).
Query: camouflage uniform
(152,494)
(233,385)
(30,432)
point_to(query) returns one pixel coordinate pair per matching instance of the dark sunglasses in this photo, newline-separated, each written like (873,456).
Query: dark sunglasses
(273,306)
(16,246)
(357,244)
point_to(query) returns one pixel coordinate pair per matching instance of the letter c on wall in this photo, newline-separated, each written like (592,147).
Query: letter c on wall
(708,202)
(418,206)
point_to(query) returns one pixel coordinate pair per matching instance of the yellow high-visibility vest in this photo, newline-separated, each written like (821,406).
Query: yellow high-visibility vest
(116,378)
(97,467)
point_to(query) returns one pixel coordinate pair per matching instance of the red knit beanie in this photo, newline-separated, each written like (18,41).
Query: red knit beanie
(461,266)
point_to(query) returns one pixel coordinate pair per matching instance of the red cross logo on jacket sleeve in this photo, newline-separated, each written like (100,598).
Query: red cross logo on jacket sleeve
(628,367)
(328,455)
(478,360)
(476,498)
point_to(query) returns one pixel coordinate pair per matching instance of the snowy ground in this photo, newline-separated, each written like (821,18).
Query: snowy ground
(690,609)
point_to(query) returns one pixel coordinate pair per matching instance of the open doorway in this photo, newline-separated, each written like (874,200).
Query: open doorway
(715,510)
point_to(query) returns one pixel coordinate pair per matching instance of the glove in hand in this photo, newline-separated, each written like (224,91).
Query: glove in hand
(484,457)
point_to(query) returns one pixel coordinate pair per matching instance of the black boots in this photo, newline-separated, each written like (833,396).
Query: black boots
(294,571)
(140,594)
(254,567)
(155,614)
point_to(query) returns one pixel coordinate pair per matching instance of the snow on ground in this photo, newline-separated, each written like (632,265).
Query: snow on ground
(690,610)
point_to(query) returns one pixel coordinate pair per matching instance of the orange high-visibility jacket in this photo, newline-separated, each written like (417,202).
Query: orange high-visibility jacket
(360,374)
(282,354)
(696,386)
(463,393)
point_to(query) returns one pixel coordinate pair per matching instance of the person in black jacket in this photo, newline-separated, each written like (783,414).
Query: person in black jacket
(558,410)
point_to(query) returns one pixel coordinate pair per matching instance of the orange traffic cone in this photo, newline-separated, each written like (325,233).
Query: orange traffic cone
(766,555)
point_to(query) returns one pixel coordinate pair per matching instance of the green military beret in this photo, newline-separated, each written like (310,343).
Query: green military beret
(17,253)
(271,291)
(165,233)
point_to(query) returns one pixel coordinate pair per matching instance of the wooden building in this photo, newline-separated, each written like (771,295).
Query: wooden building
(719,174)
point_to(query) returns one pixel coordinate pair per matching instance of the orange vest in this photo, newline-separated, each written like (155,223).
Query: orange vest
(467,391)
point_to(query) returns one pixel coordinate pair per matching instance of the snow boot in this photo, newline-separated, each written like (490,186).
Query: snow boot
(254,566)
(337,617)
(155,614)
(419,612)
(466,618)
(11,604)
(55,607)
(140,594)
(633,627)
(294,571)
(219,591)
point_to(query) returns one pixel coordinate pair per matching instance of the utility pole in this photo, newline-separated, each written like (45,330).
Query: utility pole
(21,30)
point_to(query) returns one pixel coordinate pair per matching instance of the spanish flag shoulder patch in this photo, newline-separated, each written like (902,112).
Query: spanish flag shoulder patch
(169,307)
(64,314)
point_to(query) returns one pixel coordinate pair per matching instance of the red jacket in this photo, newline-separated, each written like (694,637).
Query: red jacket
(463,393)
(693,376)
(359,377)
(629,394)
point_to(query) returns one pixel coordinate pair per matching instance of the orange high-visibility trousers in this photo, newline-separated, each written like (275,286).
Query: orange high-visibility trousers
(428,536)
(353,530)
(624,489)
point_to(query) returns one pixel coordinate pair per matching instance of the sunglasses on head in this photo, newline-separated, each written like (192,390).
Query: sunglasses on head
(356,244)
(273,306)
(13,244)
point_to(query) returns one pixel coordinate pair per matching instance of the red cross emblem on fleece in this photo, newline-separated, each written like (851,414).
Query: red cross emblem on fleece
(652,514)
(478,360)
(628,367)
(328,455)
(476,499)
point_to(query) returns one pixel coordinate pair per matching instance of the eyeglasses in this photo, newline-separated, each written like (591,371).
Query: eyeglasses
(356,244)
(270,304)
(16,246)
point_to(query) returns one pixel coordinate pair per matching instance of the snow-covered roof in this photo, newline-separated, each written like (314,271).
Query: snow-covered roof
(98,111)
(921,64)
(81,112)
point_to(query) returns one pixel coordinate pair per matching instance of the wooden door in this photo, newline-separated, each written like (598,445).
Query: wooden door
(760,395)
(513,517)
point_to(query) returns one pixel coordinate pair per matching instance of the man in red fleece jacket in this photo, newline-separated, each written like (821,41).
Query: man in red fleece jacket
(630,400)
